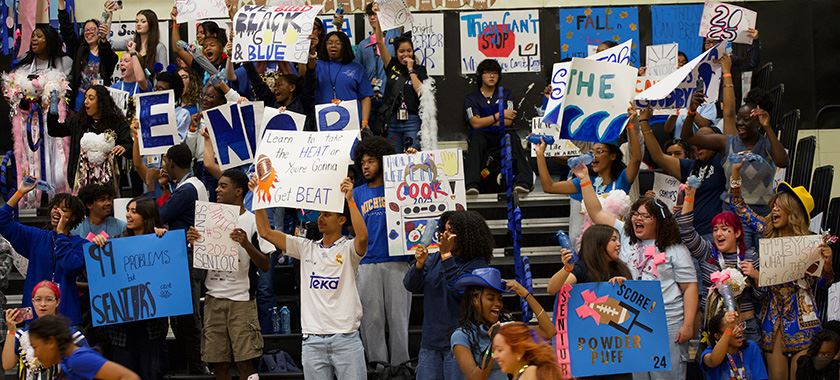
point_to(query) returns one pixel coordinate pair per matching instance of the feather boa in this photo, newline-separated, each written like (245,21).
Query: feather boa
(428,116)
(18,87)
(27,356)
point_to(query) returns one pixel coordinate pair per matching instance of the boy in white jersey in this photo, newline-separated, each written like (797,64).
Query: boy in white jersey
(331,310)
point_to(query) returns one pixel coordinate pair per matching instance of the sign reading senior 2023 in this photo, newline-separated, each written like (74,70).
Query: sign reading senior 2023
(617,328)
(273,33)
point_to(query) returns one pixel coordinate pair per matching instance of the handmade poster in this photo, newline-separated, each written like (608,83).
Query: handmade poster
(419,188)
(510,37)
(617,328)
(833,312)
(788,259)
(120,98)
(667,189)
(302,169)
(661,59)
(215,250)
(338,117)
(275,120)
(120,207)
(273,33)
(561,327)
(192,10)
(559,77)
(726,22)
(677,24)
(595,105)
(581,27)
(156,114)
(233,132)
(348,26)
(560,148)
(617,54)
(676,89)
(393,14)
(139,277)
(427,35)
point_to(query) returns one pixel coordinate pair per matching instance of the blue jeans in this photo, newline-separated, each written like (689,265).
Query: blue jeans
(400,131)
(436,365)
(341,355)
(750,236)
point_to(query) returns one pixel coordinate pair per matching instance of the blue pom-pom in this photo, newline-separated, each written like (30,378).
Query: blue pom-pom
(694,182)
(158,67)
(171,68)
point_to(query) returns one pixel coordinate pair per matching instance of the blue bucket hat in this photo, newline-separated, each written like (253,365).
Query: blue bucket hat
(481,277)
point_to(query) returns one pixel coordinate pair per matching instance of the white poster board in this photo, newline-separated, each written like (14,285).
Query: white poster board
(302,169)
(617,54)
(560,148)
(726,22)
(427,35)
(419,188)
(559,77)
(256,39)
(120,98)
(667,189)
(393,14)
(661,60)
(338,117)
(120,205)
(510,37)
(676,89)
(833,312)
(156,114)
(215,250)
(275,120)
(192,10)
(788,259)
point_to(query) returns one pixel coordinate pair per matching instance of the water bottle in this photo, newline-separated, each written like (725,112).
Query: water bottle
(275,321)
(728,300)
(564,242)
(285,320)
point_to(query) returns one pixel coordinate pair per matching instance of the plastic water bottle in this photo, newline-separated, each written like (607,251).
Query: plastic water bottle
(564,242)
(728,299)
(275,321)
(285,320)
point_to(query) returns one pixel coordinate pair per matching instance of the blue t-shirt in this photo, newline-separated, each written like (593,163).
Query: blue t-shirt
(348,80)
(476,104)
(82,364)
(620,183)
(464,338)
(752,363)
(112,226)
(132,88)
(708,201)
(371,203)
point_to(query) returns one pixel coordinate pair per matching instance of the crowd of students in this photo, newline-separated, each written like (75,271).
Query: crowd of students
(355,296)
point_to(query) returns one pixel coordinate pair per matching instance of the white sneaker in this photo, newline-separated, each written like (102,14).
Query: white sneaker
(254,377)
(521,189)
(472,191)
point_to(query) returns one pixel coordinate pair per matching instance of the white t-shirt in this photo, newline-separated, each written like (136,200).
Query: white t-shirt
(677,268)
(235,285)
(329,297)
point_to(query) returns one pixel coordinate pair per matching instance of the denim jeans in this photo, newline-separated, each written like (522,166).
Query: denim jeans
(265,284)
(400,131)
(341,355)
(437,365)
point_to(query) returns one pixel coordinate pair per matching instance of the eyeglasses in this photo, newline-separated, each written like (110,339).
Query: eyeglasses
(45,299)
(91,30)
(642,216)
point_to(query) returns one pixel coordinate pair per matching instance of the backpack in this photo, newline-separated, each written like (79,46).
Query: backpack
(277,361)
(403,371)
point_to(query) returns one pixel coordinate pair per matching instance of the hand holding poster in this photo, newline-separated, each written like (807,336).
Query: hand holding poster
(667,189)
(192,10)
(560,148)
(139,277)
(788,259)
(727,22)
(510,37)
(273,33)
(215,250)
(393,14)
(419,188)
(156,114)
(617,328)
(302,169)
(343,116)
(676,89)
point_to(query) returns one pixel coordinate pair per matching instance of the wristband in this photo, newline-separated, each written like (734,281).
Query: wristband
(727,75)
(692,113)
(133,54)
(19,194)
(566,268)
(688,200)
(734,183)
(640,120)
(364,122)
(727,332)
(728,85)
(411,72)
(10,332)
(630,126)
(585,184)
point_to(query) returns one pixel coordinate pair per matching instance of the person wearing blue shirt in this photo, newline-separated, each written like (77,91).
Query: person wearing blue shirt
(338,77)
(99,201)
(133,77)
(434,275)
(380,274)
(368,55)
(53,254)
(483,119)
(731,356)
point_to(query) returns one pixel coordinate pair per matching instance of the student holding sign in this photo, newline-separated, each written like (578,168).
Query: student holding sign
(338,77)
(650,245)
(150,49)
(790,320)
(331,310)
(730,354)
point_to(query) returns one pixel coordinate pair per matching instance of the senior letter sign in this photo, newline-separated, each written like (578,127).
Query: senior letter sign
(617,328)
(273,33)
(302,169)
(139,277)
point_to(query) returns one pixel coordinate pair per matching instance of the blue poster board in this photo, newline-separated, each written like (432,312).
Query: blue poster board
(138,277)
(617,329)
(680,24)
(580,27)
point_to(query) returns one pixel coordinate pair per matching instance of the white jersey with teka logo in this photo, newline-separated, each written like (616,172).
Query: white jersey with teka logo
(329,298)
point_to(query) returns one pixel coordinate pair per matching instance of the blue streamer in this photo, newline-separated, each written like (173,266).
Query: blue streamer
(4,30)
(33,144)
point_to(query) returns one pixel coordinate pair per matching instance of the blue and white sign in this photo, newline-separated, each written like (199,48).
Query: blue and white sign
(343,116)
(156,114)
(582,27)
(233,132)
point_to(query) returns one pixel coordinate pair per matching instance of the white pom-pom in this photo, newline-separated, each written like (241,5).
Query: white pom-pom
(97,146)
(428,116)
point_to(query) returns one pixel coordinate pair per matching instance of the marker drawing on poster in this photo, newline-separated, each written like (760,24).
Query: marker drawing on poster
(192,10)
(560,148)
(788,259)
(427,35)
(419,188)
(156,114)
(677,24)
(727,22)
(667,189)
(232,128)
(275,120)
(833,313)
(393,14)
(120,98)
(661,60)
(273,33)
(338,117)
(620,53)
(215,250)
(584,27)
(510,37)
(559,78)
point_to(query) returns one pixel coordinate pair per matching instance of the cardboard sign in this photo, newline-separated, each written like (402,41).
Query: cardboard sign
(273,33)
(677,24)
(595,106)
(726,22)
(418,188)
(510,37)
(667,189)
(233,132)
(139,277)
(661,59)
(343,116)
(620,53)
(676,89)
(561,327)
(215,250)
(582,27)
(833,312)
(192,10)
(275,120)
(559,78)
(393,14)
(788,259)
(156,114)
(427,35)
(120,99)
(560,148)
(617,328)
(302,169)
(120,205)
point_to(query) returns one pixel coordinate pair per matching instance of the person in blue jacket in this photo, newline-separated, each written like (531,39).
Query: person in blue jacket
(53,254)
(468,247)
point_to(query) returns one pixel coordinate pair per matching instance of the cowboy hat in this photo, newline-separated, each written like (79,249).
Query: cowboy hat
(482,277)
